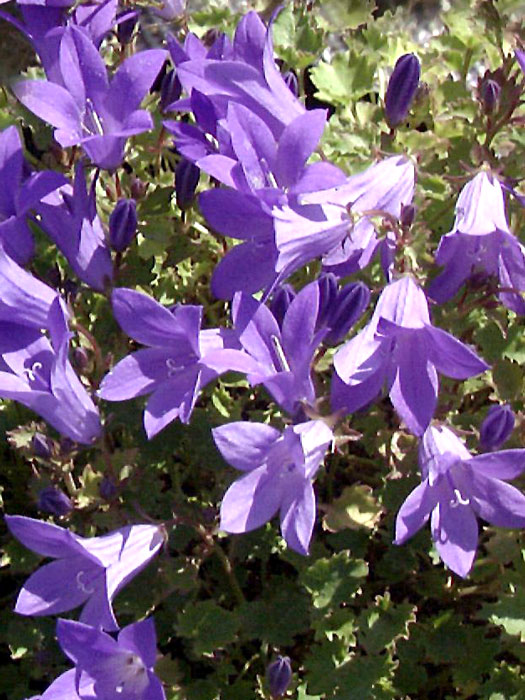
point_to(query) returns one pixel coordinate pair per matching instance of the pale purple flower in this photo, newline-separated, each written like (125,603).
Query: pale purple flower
(35,371)
(69,217)
(248,75)
(281,467)
(400,349)
(88,571)
(481,241)
(89,109)
(107,668)
(456,488)
(282,355)
(19,193)
(338,224)
(180,360)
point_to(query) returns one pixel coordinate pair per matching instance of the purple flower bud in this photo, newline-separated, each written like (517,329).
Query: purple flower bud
(408,213)
(401,89)
(281,300)
(126,23)
(70,290)
(497,426)
(107,489)
(490,92)
(80,359)
(291,82)
(54,501)
(278,676)
(328,290)
(170,9)
(348,308)
(170,90)
(520,58)
(187,177)
(66,445)
(42,446)
(123,224)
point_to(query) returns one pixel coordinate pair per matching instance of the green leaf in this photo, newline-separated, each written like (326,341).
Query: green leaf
(355,508)
(508,612)
(335,580)
(208,625)
(383,623)
(346,14)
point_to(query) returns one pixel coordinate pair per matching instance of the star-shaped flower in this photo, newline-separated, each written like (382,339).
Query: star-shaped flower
(456,488)
(281,468)
(88,571)
(107,668)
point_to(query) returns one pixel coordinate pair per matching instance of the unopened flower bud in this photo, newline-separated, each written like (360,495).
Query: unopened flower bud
(490,92)
(408,213)
(137,187)
(187,177)
(349,306)
(281,300)
(170,90)
(328,290)
(291,82)
(279,676)
(170,9)
(41,446)
(54,501)
(401,89)
(497,426)
(126,23)
(123,224)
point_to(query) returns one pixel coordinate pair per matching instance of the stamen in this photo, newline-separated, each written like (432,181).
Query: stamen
(459,500)
(172,366)
(82,585)
(285,367)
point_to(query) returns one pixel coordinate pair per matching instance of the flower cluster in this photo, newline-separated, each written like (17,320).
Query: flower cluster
(246,129)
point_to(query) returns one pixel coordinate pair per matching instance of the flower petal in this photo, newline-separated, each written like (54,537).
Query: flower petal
(455,534)
(298,516)
(414,512)
(250,501)
(450,356)
(244,445)
(505,464)
(140,637)
(46,539)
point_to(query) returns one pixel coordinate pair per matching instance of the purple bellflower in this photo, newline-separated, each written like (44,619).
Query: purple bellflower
(107,668)
(19,193)
(180,360)
(481,242)
(247,75)
(36,372)
(88,571)
(400,348)
(87,108)
(281,467)
(69,217)
(283,355)
(401,89)
(456,488)
(337,224)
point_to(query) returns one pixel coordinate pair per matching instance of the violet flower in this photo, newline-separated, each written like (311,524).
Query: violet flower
(89,109)
(456,488)
(337,224)
(400,348)
(107,668)
(69,217)
(279,676)
(248,75)
(281,467)
(481,241)
(19,193)
(283,355)
(180,360)
(36,372)
(88,571)
(53,500)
